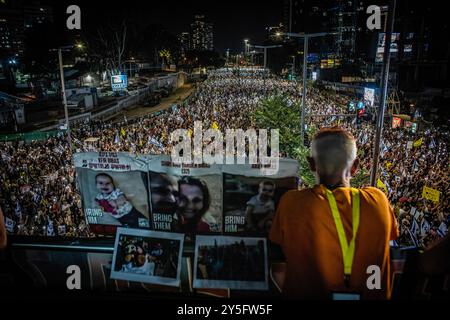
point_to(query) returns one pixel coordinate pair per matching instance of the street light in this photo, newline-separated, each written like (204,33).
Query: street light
(63,90)
(383,93)
(246,41)
(306,37)
(265,52)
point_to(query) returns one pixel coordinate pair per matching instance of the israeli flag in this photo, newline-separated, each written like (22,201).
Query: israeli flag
(442,230)
(9,225)
(432,144)
(156,143)
(413,238)
(414,227)
(50,231)
(424,228)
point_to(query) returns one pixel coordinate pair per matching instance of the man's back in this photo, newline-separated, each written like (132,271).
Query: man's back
(306,231)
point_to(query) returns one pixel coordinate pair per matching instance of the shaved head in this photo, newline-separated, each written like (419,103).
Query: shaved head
(334,152)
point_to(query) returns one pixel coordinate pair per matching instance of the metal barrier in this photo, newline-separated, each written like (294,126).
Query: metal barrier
(30,136)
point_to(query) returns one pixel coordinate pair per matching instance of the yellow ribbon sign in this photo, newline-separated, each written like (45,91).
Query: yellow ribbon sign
(381,185)
(418,143)
(431,194)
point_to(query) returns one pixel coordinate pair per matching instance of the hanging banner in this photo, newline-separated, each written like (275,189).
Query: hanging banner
(230,262)
(186,199)
(147,256)
(114,190)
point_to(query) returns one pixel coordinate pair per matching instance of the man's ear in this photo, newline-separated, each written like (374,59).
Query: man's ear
(354,168)
(312,163)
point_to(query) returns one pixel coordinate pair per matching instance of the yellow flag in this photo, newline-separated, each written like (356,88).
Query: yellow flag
(122,131)
(381,185)
(418,143)
(190,132)
(215,126)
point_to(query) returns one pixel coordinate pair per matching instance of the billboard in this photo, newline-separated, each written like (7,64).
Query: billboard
(119,82)
(395,40)
(114,190)
(396,122)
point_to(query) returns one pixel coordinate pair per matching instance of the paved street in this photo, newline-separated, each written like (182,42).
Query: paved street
(138,111)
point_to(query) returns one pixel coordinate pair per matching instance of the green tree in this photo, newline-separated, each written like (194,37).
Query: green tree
(277,113)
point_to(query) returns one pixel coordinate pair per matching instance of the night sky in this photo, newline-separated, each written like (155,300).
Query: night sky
(233,20)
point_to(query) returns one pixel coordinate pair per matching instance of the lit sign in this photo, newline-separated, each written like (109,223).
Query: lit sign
(369,96)
(396,122)
(119,82)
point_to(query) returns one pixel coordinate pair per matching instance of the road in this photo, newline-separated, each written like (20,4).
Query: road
(138,111)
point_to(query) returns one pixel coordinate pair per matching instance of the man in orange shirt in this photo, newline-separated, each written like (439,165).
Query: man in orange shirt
(330,234)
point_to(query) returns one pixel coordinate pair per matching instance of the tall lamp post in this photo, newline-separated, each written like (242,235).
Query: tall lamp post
(63,88)
(384,88)
(306,37)
(246,44)
(265,52)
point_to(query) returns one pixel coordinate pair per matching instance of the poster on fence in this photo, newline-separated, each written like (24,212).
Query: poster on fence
(186,199)
(250,198)
(114,190)
(147,256)
(230,262)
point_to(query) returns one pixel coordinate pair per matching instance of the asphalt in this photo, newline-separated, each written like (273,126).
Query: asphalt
(178,96)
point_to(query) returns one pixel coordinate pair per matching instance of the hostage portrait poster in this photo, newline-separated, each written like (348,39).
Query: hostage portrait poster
(114,190)
(185,199)
(250,199)
(230,262)
(147,256)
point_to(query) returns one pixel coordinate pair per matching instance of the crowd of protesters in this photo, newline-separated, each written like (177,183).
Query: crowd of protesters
(38,192)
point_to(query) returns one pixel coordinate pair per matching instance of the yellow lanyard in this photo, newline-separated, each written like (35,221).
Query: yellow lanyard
(348,251)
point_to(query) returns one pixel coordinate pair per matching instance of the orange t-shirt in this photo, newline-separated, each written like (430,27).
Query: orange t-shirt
(304,228)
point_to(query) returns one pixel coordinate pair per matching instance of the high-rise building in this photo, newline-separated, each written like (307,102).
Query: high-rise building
(15,18)
(202,38)
(36,13)
(184,39)
(344,24)
(11,30)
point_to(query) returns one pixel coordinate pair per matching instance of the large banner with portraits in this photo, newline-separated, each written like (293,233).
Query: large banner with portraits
(250,198)
(114,190)
(152,192)
(186,199)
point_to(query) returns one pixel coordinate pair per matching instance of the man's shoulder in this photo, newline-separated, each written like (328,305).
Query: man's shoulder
(375,193)
(297,194)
